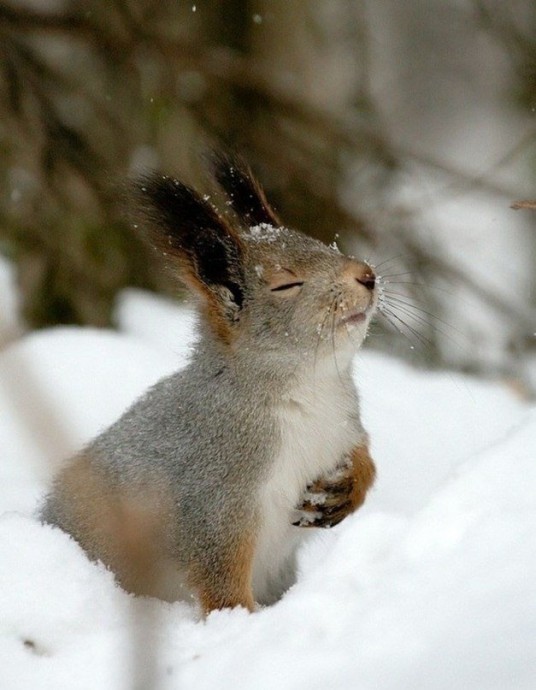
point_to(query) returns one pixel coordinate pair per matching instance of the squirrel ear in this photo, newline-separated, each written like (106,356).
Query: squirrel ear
(247,198)
(185,227)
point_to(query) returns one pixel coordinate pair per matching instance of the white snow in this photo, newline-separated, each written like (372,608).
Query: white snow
(264,232)
(430,585)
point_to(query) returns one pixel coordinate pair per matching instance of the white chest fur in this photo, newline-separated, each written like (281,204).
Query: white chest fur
(319,426)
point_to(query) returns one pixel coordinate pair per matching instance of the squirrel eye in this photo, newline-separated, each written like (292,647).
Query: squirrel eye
(284,282)
(287,286)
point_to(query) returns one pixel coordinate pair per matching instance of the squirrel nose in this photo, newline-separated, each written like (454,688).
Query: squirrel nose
(358,272)
(363,274)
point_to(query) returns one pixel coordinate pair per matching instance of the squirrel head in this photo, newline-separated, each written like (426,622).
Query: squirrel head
(263,287)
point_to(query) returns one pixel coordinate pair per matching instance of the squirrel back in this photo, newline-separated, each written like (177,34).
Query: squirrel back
(207,483)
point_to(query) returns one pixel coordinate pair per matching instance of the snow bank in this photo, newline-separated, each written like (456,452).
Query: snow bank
(429,586)
(58,388)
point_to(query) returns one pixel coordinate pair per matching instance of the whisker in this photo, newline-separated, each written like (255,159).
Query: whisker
(321,327)
(407,309)
(424,285)
(386,261)
(383,276)
(420,337)
(386,315)
(319,338)
(459,298)
(349,333)
(334,349)
(410,309)
(397,296)
(419,319)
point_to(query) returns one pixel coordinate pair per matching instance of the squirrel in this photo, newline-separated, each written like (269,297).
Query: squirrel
(205,487)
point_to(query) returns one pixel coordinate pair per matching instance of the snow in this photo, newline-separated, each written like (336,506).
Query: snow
(264,232)
(430,585)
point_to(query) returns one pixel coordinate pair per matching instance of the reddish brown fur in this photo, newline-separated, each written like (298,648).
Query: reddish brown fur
(363,472)
(210,304)
(123,530)
(228,582)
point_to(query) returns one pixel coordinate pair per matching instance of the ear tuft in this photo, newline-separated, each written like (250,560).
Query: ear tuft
(184,226)
(247,198)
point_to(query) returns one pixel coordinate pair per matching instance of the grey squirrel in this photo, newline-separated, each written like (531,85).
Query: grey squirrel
(206,485)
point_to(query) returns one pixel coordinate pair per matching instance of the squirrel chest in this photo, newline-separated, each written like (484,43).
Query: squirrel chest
(319,425)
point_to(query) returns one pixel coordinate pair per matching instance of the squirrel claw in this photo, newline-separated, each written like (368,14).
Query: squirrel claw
(324,515)
(332,516)
(304,522)
(328,500)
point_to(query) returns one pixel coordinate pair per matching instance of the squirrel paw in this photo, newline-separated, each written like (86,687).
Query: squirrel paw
(327,502)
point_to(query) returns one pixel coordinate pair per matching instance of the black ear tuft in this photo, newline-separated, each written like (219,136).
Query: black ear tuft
(245,193)
(186,227)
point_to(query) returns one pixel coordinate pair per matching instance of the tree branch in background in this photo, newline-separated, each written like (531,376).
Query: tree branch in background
(517,205)
(86,97)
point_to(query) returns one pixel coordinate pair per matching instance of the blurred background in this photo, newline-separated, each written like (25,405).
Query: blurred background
(402,131)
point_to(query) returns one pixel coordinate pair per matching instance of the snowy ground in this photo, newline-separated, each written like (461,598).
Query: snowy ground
(430,586)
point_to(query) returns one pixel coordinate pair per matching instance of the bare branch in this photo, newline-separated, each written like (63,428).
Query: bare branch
(523,204)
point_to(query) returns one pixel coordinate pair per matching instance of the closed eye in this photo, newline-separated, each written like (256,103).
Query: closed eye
(287,286)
